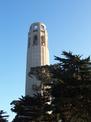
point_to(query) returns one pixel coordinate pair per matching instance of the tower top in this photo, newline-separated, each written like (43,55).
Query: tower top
(37,26)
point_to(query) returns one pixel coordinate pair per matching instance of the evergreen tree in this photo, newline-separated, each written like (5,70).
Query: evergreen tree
(65,92)
(70,88)
(3,117)
(31,109)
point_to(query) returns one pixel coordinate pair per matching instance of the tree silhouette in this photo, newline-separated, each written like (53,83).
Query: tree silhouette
(3,117)
(65,92)
(31,109)
(70,88)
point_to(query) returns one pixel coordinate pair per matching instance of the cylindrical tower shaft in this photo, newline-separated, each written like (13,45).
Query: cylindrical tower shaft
(37,53)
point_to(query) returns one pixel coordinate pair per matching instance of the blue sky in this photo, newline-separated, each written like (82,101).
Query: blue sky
(69,28)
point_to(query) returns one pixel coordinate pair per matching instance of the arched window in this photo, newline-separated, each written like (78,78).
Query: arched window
(35,28)
(42,27)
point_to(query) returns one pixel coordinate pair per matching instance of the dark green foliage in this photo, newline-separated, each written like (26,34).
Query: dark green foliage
(75,93)
(31,109)
(3,117)
(69,87)
(74,68)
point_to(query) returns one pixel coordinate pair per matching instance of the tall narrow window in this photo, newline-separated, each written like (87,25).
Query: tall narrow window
(43,40)
(35,40)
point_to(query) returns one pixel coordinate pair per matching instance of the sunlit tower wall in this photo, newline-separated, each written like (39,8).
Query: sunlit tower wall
(37,53)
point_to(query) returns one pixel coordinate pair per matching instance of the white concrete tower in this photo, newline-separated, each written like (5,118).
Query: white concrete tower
(37,53)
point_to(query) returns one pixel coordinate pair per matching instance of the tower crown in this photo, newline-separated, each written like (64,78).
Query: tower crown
(37,35)
(37,26)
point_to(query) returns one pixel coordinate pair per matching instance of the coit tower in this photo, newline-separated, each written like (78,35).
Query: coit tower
(37,53)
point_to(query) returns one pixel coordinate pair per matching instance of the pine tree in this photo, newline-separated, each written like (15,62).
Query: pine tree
(3,117)
(70,88)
